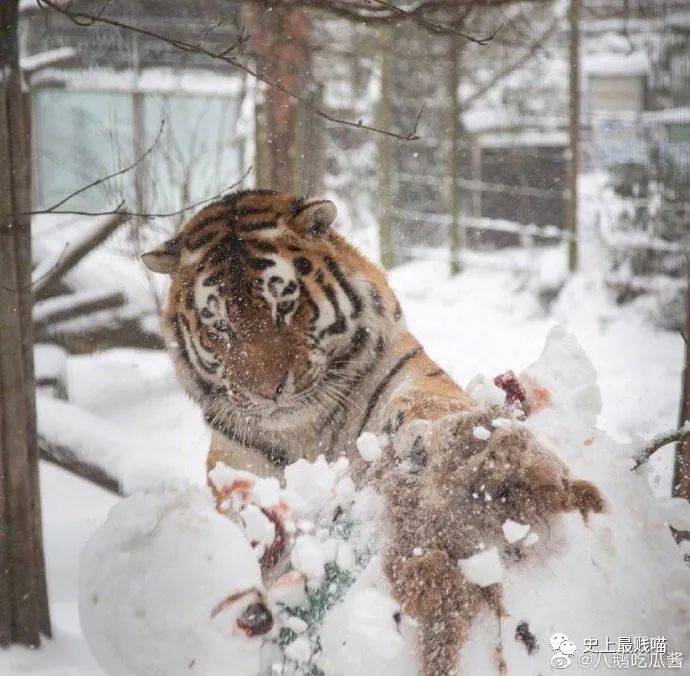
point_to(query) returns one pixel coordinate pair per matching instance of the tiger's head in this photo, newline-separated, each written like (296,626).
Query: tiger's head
(270,310)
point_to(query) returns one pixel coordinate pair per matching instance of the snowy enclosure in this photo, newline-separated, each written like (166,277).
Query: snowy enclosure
(447,134)
(168,549)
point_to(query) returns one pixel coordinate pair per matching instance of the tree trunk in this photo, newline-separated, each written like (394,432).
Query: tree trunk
(23,594)
(681,474)
(574,133)
(455,231)
(385,151)
(286,140)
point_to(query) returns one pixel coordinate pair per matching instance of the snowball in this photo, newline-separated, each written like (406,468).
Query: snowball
(367,505)
(147,595)
(313,483)
(345,560)
(222,476)
(368,447)
(514,531)
(345,492)
(480,432)
(307,557)
(484,568)
(501,423)
(266,492)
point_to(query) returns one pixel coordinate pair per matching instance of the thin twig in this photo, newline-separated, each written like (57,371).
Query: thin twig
(437,27)
(86,19)
(659,442)
(103,179)
(148,215)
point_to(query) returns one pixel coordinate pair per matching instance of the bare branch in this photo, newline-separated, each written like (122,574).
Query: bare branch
(68,460)
(511,67)
(119,210)
(659,442)
(436,27)
(103,179)
(86,19)
(69,306)
(73,255)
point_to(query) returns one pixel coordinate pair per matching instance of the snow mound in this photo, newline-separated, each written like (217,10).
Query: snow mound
(154,583)
(153,574)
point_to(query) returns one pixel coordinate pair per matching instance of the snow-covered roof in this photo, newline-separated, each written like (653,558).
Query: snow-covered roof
(154,80)
(612,64)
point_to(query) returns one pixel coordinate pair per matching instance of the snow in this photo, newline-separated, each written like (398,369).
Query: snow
(154,580)
(480,432)
(150,80)
(308,558)
(266,492)
(514,531)
(483,568)
(49,361)
(615,65)
(368,447)
(126,412)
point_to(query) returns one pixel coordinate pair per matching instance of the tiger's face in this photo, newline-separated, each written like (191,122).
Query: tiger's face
(270,310)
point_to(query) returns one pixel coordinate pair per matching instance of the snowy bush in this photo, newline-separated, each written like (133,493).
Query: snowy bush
(171,586)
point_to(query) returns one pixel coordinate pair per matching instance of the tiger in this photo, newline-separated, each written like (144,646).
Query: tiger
(293,344)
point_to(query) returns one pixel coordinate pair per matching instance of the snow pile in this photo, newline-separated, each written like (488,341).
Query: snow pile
(310,551)
(163,584)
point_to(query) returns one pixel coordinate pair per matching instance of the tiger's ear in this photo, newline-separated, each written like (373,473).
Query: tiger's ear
(316,217)
(163,258)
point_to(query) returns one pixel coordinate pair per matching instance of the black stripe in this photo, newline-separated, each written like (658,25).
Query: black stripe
(260,263)
(262,245)
(339,325)
(216,218)
(200,382)
(316,313)
(274,454)
(434,373)
(376,395)
(397,313)
(351,294)
(209,367)
(200,241)
(250,227)
(225,250)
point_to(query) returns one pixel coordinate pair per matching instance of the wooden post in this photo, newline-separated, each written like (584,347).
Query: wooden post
(455,233)
(681,473)
(574,133)
(23,593)
(384,153)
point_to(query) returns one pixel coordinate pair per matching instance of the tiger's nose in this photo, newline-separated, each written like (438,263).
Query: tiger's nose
(272,385)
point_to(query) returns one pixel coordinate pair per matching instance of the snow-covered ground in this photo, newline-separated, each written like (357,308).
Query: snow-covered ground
(485,320)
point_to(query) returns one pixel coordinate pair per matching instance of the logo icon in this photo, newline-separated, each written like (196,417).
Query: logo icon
(564,648)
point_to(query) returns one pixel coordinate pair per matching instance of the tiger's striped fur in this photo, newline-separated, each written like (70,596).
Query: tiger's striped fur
(293,344)
(290,340)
